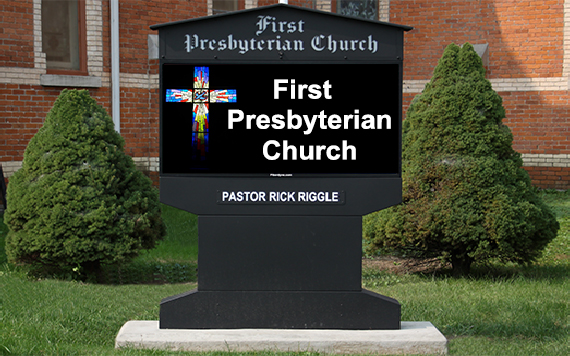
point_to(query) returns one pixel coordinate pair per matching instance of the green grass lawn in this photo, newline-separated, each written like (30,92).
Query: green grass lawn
(498,310)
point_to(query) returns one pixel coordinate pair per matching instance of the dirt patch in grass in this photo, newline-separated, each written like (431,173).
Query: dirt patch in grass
(400,265)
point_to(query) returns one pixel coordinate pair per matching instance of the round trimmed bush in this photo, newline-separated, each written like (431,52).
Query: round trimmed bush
(466,197)
(78,201)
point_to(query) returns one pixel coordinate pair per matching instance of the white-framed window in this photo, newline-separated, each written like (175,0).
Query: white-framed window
(64,36)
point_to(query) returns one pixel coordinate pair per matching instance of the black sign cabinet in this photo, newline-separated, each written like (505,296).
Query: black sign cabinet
(280,128)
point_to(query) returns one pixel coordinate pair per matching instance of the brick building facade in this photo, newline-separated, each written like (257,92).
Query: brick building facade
(525,46)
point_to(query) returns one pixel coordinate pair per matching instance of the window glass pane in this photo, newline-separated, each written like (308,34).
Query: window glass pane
(365,9)
(60,34)
(222,6)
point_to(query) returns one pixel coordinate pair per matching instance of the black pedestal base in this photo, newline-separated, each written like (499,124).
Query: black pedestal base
(358,310)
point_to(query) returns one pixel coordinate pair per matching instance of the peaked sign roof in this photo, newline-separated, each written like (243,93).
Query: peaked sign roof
(281,33)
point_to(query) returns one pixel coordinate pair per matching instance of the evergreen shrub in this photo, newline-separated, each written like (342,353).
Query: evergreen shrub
(78,201)
(466,197)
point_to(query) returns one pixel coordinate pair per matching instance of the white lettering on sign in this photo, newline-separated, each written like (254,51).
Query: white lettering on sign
(297,90)
(309,152)
(321,42)
(242,46)
(243,196)
(274,150)
(292,121)
(321,197)
(273,34)
(271,25)
(280,197)
(269,22)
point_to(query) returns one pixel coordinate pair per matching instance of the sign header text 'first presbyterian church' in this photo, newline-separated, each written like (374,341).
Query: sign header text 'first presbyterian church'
(276,29)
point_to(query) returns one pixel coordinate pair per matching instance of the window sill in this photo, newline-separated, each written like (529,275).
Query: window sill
(58,80)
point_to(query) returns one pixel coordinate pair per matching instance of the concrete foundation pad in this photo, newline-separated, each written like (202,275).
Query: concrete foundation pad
(415,337)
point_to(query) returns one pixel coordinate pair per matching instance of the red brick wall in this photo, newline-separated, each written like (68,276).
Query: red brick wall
(16,34)
(24,111)
(140,106)
(25,106)
(539,121)
(550,177)
(525,38)
(135,17)
(266,2)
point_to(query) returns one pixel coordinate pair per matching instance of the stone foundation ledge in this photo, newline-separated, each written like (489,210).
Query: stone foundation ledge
(415,337)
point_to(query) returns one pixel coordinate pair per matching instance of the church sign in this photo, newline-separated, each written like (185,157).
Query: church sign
(299,119)
(279,122)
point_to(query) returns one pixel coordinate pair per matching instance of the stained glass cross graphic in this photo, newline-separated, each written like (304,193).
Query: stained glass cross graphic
(200,96)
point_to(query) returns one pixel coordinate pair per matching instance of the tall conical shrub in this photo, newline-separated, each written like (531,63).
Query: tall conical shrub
(78,200)
(466,197)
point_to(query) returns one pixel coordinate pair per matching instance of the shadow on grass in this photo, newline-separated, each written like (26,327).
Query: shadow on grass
(558,273)
(3,233)
(518,331)
(527,329)
(134,272)
(150,273)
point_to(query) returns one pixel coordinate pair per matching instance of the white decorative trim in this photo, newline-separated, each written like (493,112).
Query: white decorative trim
(149,164)
(414,86)
(250,4)
(505,84)
(39,56)
(546,160)
(80,81)
(530,84)
(94,26)
(143,81)
(152,164)
(31,76)
(210,7)
(10,167)
(384,10)
(566,41)
(323,5)
(17,75)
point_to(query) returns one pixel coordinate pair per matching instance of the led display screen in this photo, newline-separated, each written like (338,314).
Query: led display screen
(274,120)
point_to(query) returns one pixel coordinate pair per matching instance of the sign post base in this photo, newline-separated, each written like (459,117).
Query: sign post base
(362,310)
(280,272)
